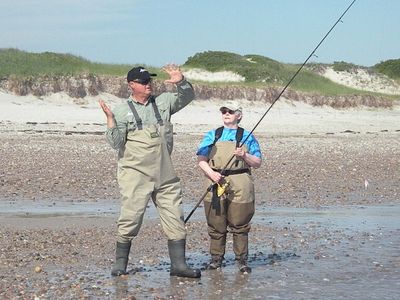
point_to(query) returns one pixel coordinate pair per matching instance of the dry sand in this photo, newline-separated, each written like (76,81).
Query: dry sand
(285,118)
(326,223)
(363,80)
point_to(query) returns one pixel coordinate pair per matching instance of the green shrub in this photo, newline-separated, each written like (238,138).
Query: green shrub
(261,71)
(254,68)
(389,67)
(341,66)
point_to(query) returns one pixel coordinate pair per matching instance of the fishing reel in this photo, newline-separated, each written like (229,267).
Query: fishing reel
(222,187)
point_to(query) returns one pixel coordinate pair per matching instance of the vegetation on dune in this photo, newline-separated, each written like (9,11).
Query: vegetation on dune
(258,71)
(14,62)
(254,68)
(261,71)
(341,66)
(390,68)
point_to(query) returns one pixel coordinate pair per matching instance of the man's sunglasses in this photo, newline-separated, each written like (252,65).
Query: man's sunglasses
(143,81)
(227,110)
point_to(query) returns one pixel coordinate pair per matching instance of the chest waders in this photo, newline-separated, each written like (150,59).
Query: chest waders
(145,171)
(234,209)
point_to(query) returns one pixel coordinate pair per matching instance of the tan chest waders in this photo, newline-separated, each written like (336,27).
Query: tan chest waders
(145,171)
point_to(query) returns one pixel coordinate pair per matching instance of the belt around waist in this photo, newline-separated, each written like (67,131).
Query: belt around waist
(232,172)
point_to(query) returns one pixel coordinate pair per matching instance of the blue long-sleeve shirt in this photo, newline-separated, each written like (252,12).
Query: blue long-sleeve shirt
(228,134)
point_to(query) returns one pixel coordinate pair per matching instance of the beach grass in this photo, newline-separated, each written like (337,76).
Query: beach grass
(17,63)
(258,71)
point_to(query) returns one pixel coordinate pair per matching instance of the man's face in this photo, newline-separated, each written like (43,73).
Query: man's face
(141,88)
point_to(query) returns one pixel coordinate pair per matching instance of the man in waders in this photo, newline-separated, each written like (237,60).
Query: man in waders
(230,203)
(141,131)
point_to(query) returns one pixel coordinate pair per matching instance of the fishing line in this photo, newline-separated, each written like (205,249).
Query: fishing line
(272,104)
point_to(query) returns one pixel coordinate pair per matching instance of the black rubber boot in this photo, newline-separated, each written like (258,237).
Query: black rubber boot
(121,259)
(179,267)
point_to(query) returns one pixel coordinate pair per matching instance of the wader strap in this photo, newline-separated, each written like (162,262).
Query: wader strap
(139,123)
(238,137)
(218,133)
(156,112)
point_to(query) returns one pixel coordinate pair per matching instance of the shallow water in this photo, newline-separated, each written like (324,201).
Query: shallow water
(349,252)
(345,217)
(25,208)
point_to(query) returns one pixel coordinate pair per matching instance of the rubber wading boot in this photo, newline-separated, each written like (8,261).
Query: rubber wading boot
(121,259)
(242,265)
(215,263)
(179,267)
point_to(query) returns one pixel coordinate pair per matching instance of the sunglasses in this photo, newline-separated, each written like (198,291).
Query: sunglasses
(143,81)
(227,110)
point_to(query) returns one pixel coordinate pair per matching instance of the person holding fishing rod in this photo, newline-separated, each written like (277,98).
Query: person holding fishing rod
(226,156)
(221,192)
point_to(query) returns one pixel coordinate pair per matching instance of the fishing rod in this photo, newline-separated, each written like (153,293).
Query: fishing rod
(272,104)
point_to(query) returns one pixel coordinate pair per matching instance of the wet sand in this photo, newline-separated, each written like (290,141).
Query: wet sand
(326,223)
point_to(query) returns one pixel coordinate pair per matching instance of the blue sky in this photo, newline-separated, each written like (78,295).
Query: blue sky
(156,32)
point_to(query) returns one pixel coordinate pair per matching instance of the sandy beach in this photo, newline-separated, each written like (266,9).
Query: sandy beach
(61,112)
(326,223)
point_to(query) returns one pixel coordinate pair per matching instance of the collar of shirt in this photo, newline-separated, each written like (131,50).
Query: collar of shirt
(138,102)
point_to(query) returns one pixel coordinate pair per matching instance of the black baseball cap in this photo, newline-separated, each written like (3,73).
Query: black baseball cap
(139,74)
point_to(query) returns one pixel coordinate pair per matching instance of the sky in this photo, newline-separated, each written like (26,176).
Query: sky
(157,32)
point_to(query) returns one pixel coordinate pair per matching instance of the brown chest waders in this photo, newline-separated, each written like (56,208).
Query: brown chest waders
(235,208)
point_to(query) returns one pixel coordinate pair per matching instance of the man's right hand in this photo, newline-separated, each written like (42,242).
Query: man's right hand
(108,113)
(106,109)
